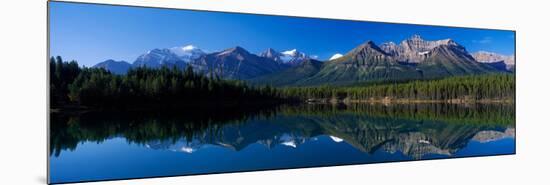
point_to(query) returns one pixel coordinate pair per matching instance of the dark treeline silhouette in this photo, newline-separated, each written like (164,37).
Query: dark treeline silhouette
(69,129)
(475,87)
(479,114)
(61,75)
(151,88)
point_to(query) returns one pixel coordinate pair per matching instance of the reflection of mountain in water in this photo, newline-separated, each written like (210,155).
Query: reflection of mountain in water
(179,146)
(491,135)
(367,128)
(183,145)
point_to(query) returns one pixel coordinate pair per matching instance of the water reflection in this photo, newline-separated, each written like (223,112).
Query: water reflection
(331,133)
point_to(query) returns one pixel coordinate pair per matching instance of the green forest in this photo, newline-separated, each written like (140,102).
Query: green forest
(499,86)
(74,86)
(143,87)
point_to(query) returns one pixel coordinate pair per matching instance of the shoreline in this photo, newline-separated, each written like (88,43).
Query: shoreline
(389,101)
(253,105)
(209,106)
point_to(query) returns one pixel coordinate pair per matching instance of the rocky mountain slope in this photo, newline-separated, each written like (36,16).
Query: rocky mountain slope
(116,67)
(235,63)
(291,57)
(364,63)
(413,49)
(495,58)
(413,58)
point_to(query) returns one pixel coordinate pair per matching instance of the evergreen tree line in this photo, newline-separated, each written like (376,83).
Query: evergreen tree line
(61,75)
(474,87)
(145,88)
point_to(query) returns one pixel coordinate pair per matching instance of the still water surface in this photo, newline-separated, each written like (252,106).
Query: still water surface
(102,146)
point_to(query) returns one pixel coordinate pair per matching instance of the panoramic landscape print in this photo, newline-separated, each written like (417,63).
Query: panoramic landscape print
(140,92)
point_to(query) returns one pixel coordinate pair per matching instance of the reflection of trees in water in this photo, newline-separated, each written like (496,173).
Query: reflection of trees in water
(412,129)
(454,113)
(67,130)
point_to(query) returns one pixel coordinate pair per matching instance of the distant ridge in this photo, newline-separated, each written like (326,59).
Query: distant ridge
(492,58)
(116,67)
(413,58)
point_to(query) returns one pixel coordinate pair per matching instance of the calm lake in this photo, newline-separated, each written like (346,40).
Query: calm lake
(117,145)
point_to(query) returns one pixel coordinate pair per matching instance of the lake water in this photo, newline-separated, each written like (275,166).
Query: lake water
(113,145)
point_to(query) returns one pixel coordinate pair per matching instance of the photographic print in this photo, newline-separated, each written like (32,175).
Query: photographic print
(139,92)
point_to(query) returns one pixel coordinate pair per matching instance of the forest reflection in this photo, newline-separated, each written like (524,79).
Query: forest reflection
(416,128)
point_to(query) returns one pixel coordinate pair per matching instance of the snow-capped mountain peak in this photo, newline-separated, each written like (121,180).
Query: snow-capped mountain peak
(293,56)
(292,52)
(189,48)
(335,56)
(188,52)
(156,58)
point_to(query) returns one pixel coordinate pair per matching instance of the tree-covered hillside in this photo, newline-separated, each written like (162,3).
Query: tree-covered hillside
(145,87)
(473,87)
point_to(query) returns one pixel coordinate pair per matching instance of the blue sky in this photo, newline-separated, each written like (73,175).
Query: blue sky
(94,33)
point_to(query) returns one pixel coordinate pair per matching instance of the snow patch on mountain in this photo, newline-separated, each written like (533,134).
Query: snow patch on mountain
(291,57)
(423,52)
(187,53)
(292,52)
(156,58)
(335,56)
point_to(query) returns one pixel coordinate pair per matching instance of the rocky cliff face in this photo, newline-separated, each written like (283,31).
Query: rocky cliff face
(365,62)
(490,57)
(451,60)
(414,49)
(291,57)
(272,54)
(235,63)
(392,49)
(157,58)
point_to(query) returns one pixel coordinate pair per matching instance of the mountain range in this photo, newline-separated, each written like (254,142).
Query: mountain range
(235,63)
(413,58)
(291,57)
(507,62)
